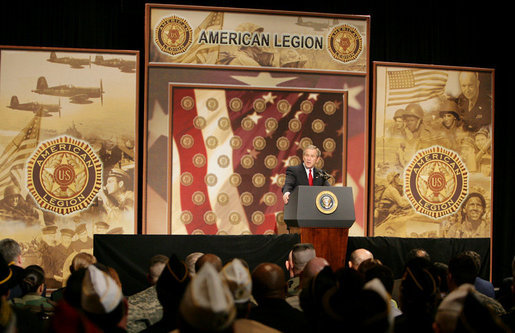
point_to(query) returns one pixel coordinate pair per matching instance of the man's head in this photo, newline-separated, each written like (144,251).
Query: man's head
(449,113)
(469,83)
(117,181)
(413,116)
(481,138)
(211,258)
(473,208)
(12,195)
(298,257)
(462,269)
(268,281)
(11,251)
(82,232)
(155,268)
(313,267)
(49,235)
(310,156)
(191,260)
(417,253)
(358,256)
(67,236)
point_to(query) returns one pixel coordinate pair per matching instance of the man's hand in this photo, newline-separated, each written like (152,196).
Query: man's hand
(286,197)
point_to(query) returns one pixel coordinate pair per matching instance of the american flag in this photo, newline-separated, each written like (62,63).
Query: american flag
(230,148)
(414,85)
(15,155)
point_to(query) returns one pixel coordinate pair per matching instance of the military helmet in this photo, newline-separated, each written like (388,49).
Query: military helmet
(11,190)
(414,110)
(398,114)
(449,107)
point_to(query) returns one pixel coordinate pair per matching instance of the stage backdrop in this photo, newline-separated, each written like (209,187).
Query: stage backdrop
(432,151)
(67,142)
(274,55)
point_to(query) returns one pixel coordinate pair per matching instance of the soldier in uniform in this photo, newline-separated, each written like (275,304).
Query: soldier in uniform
(398,129)
(116,197)
(419,136)
(47,252)
(475,104)
(450,126)
(473,223)
(83,242)
(13,206)
(484,151)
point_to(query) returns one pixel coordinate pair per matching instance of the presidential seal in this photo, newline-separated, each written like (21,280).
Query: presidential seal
(64,175)
(436,182)
(326,202)
(173,35)
(345,43)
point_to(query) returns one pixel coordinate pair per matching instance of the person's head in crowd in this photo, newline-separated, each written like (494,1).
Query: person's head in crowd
(313,267)
(477,259)
(71,319)
(191,259)
(440,271)
(11,251)
(73,291)
(298,257)
(82,260)
(156,267)
(268,281)
(5,275)
(419,289)
(33,280)
(6,317)
(381,272)
(462,269)
(417,252)
(211,258)
(367,264)
(102,300)
(358,256)
(238,279)
(312,294)
(207,304)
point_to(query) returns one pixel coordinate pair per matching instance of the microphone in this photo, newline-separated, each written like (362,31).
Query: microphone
(322,173)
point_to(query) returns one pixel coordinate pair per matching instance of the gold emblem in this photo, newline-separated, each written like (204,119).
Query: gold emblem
(64,175)
(212,104)
(279,218)
(318,126)
(436,182)
(234,218)
(199,122)
(246,198)
(329,145)
(257,218)
(283,106)
(270,161)
(281,179)
(211,142)
(259,105)
(247,161)
(186,217)
(235,179)
(294,125)
(210,179)
(270,199)
(224,123)
(197,232)
(187,103)
(247,124)
(210,217)
(326,202)
(222,199)
(259,143)
(320,163)
(198,198)
(271,125)
(187,141)
(235,104)
(236,142)
(258,180)
(294,160)
(345,43)
(283,143)
(305,142)
(306,107)
(186,178)
(173,35)
(199,160)
(329,108)
(223,161)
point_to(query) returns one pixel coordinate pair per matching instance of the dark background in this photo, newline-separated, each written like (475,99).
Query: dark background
(450,33)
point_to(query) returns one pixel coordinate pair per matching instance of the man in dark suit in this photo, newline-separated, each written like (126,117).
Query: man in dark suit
(305,173)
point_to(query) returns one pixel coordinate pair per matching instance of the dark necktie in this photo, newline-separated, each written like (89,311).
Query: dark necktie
(310,178)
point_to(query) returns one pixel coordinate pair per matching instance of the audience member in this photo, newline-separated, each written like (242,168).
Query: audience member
(413,253)
(33,288)
(312,268)
(483,286)
(268,289)
(298,257)
(190,261)
(11,252)
(239,281)
(509,317)
(144,307)
(440,271)
(211,258)
(79,261)
(358,256)
(7,317)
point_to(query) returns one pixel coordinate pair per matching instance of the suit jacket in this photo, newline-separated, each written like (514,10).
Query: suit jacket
(296,175)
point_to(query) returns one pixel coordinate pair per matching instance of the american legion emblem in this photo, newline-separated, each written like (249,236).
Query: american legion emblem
(173,35)
(436,182)
(345,43)
(64,175)
(326,202)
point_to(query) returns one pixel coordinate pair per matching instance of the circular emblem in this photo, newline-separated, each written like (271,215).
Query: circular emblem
(247,161)
(212,104)
(283,106)
(210,179)
(186,178)
(199,122)
(294,160)
(247,124)
(259,105)
(281,179)
(259,143)
(235,179)
(223,161)
(326,202)
(197,232)
(270,161)
(306,107)
(436,182)
(320,163)
(173,35)
(294,125)
(257,218)
(210,217)
(279,218)
(187,141)
(258,180)
(198,198)
(236,142)
(235,104)
(199,160)
(329,108)
(318,126)
(234,218)
(224,123)
(211,142)
(329,145)
(283,143)
(187,103)
(64,175)
(222,199)
(270,199)
(345,43)
(271,125)
(246,198)
(305,142)
(186,217)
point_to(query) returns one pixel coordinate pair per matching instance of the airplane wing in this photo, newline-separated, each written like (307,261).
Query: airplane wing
(80,99)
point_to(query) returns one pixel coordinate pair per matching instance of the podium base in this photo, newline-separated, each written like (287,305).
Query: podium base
(329,243)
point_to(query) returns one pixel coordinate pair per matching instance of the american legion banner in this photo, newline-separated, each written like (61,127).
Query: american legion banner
(433,149)
(232,97)
(67,151)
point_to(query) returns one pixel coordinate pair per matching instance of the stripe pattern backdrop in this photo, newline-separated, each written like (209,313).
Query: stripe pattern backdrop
(230,148)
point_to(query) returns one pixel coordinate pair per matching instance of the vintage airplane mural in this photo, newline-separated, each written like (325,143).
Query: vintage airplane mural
(315,25)
(42,110)
(126,66)
(77,95)
(73,62)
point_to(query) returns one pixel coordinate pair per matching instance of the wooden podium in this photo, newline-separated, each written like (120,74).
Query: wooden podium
(322,215)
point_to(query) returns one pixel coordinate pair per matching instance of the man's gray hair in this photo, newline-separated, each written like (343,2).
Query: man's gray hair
(9,249)
(312,147)
(301,254)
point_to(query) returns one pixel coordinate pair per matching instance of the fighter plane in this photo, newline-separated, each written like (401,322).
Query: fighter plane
(315,25)
(126,66)
(73,62)
(42,110)
(77,95)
